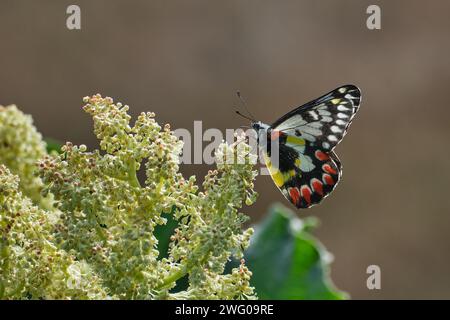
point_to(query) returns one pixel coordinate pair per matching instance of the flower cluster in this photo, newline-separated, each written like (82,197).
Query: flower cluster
(20,147)
(96,239)
(31,265)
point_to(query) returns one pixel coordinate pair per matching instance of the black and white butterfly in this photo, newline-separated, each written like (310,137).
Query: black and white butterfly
(307,169)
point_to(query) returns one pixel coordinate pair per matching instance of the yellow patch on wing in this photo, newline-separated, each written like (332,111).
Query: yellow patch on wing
(267,161)
(280,178)
(335,101)
(295,140)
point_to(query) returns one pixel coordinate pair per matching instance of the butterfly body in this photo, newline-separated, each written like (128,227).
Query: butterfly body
(298,148)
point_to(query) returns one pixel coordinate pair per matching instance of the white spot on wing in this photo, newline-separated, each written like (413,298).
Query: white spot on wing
(296,147)
(311,130)
(342,108)
(314,115)
(335,129)
(324,112)
(306,164)
(332,138)
(316,124)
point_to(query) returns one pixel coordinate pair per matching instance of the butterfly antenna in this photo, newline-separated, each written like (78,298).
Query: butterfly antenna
(244,105)
(244,116)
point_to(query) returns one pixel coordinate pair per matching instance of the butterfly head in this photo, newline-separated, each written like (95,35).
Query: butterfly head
(261,130)
(258,125)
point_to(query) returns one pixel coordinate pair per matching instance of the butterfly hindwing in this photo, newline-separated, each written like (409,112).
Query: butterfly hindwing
(304,174)
(324,121)
(309,188)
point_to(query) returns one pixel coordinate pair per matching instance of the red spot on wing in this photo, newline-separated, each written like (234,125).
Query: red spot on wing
(306,193)
(328,169)
(328,179)
(317,186)
(322,156)
(295,195)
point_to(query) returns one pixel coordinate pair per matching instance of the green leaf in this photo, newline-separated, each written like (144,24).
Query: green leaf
(287,261)
(163,233)
(53,145)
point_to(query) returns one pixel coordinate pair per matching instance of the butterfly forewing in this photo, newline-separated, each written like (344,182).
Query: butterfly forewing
(323,121)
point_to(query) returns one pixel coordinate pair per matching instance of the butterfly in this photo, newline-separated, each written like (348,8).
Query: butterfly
(307,169)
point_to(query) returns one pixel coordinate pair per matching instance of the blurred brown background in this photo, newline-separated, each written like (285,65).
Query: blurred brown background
(184,60)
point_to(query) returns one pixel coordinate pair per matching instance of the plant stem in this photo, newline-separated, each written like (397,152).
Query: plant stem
(171,278)
(132,177)
(181,272)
